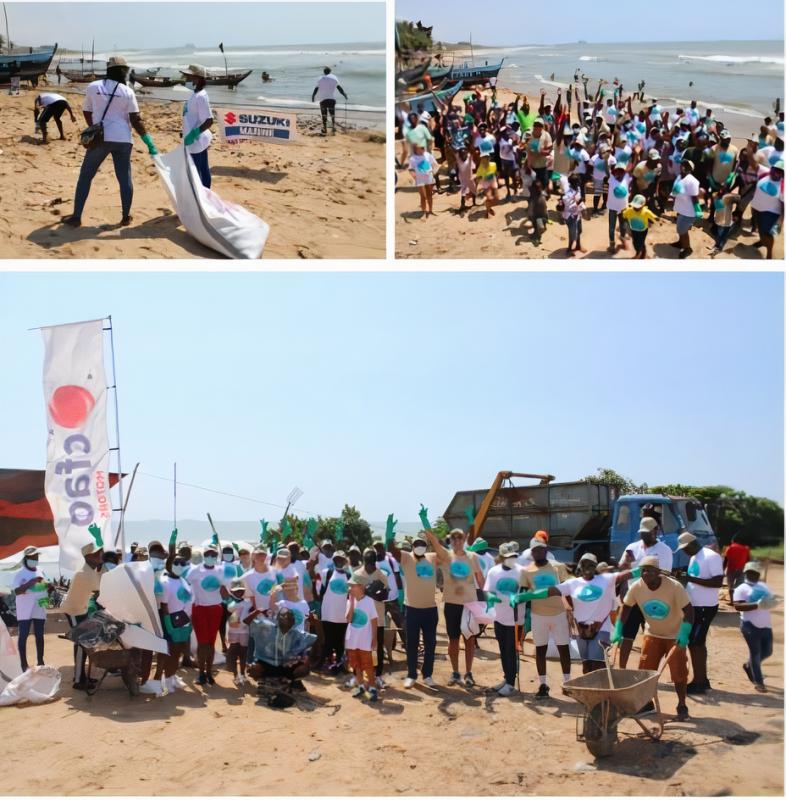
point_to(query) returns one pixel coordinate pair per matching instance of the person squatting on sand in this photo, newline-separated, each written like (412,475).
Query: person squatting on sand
(47,106)
(600,145)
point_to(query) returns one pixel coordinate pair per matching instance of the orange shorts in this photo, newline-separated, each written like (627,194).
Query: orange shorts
(654,650)
(361,661)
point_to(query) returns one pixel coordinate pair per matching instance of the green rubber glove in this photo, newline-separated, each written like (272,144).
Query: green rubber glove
(173,537)
(697,210)
(340,531)
(423,514)
(214,540)
(469,513)
(635,572)
(39,587)
(390,530)
(263,535)
(521,597)
(684,634)
(491,600)
(286,529)
(191,136)
(151,148)
(95,532)
(616,634)
(42,602)
(168,627)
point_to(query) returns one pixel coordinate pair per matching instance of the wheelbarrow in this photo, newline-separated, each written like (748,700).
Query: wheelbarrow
(608,695)
(124,661)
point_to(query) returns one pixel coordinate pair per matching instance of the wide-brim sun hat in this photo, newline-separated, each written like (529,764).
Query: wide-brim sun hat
(195,70)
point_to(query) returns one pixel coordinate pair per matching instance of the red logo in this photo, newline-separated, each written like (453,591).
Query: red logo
(70,405)
(230,118)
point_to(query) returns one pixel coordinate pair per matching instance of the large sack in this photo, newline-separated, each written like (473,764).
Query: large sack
(37,685)
(218,224)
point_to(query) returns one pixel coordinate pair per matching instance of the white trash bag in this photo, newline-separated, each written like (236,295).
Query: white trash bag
(37,685)
(218,224)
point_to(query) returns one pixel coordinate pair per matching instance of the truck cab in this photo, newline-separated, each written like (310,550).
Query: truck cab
(676,514)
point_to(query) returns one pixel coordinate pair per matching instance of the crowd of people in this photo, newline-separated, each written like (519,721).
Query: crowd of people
(583,156)
(284,611)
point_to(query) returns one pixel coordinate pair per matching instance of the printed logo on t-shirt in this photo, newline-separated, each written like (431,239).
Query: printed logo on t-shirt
(157,587)
(183,594)
(210,583)
(543,580)
(230,571)
(339,586)
(694,570)
(507,585)
(298,616)
(359,618)
(757,592)
(423,569)
(589,593)
(265,586)
(459,570)
(279,578)
(656,609)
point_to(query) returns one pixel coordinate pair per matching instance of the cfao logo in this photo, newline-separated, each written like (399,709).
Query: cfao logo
(69,406)
(230,118)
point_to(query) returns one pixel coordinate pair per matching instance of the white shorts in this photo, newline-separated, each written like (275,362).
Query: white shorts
(545,627)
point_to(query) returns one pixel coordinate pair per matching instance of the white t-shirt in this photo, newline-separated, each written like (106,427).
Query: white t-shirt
(385,566)
(178,594)
(504,583)
(323,562)
(260,585)
(685,191)
(752,593)
(117,127)
(768,195)
(423,165)
(581,158)
(705,564)
(593,600)
(599,167)
(692,115)
(659,549)
(525,558)
(619,191)
(610,114)
(47,98)
(299,609)
(207,584)
(507,149)
(358,635)
(238,611)
(291,573)
(27,603)
(485,562)
(196,111)
(326,87)
(334,603)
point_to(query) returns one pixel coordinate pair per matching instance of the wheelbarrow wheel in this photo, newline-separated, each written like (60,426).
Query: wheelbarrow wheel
(600,729)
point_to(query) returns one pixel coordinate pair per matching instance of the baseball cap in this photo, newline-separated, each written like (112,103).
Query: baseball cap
(538,121)
(260,548)
(650,561)
(456,532)
(541,535)
(685,539)
(638,201)
(647,524)
(589,557)
(283,551)
(210,548)
(654,155)
(339,554)
(724,134)
(536,543)
(508,549)
(116,61)
(30,551)
(778,164)
(752,566)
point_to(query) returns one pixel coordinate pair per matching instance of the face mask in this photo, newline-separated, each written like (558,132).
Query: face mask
(510,561)
(177,569)
(419,551)
(33,565)
(190,85)
(210,561)
(109,566)
(228,557)
(157,563)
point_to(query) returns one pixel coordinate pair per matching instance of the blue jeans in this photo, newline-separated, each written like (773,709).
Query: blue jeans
(613,217)
(419,620)
(574,230)
(38,632)
(203,168)
(721,235)
(94,157)
(759,642)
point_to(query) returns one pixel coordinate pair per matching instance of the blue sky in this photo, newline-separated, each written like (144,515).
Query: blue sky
(156,25)
(384,390)
(514,22)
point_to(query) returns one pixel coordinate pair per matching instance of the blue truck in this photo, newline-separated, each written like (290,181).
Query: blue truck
(580,516)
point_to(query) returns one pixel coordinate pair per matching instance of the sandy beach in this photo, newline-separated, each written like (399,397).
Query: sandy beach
(315,205)
(454,741)
(508,233)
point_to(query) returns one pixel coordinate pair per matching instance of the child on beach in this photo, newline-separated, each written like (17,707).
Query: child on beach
(467,185)
(723,206)
(572,207)
(487,177)
(361,638)
(639,218)
(422,165)
(538,212)
(237,631)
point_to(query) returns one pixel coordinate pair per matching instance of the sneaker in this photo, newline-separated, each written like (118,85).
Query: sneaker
(430,682)
(497,687)
(84,685)
(358,691)
(380,684)
(747,667)
(682,713)
(202,679)
(210,679)
(455,679)
(238,680)
(543,691)
(698,688)
(178,682)
(469,681)
(648,708)
(409,682)
(150,687)
(170,684)
(242,680)
(685,253)
(351,683)
(760,687)
(506,690)
(373,694)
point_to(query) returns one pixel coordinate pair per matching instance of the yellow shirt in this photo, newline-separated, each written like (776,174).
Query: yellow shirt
(535,577)
(83,584)
(458,572)
(420,580)
(662,609)
(639,219)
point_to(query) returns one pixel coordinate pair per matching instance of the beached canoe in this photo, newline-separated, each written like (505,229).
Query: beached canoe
(406,77)
(231,78)
(157,81)
(426,102)
(26,63)
(474,75)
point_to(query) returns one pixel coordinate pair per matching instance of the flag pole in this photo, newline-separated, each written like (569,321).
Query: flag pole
(120,534)
(175,498)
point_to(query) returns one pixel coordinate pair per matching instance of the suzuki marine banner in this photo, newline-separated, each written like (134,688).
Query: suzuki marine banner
(256,124)
(77,459)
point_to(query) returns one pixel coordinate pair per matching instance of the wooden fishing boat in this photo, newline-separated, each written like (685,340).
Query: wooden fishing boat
(425,101)
(231,78)
(157,81)
(473,75)
(28,63)
(406,77)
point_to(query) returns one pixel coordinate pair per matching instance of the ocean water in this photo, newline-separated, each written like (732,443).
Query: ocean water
(742,78)
(295,69)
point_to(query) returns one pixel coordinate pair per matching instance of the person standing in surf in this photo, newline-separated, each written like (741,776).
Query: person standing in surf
(197,121)
(325,92)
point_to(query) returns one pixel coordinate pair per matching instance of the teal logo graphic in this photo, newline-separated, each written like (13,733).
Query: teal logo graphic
(774,158)
(726,158)
(265,586)
(656,609)
(636,224)
(338,586)
(460,570)
(694,570)
(157,587)
(298,615)
(543,580)
(507,585)
(359,618)
(230,571)
(210,583)
(620,191)
(424,165)
(279,578)
(183,595)
(589,593)
(769,187)
(424,570)
(384,568)
(534,145)
(757,593)
(678,188)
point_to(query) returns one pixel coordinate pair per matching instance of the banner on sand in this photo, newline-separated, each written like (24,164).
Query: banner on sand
(256,124)
(76,480)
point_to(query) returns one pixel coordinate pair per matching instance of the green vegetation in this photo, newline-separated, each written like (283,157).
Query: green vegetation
(412,37)
(774,553)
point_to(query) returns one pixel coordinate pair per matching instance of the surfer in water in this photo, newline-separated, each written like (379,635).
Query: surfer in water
(325,92)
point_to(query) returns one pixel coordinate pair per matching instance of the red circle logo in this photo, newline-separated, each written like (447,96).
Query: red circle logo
(70,405)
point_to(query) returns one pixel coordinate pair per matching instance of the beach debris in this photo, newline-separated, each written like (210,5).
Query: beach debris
(582,766)
(314,755)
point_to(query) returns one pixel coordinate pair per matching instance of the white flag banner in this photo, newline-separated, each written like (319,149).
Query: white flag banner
(256,124)
(77,458)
